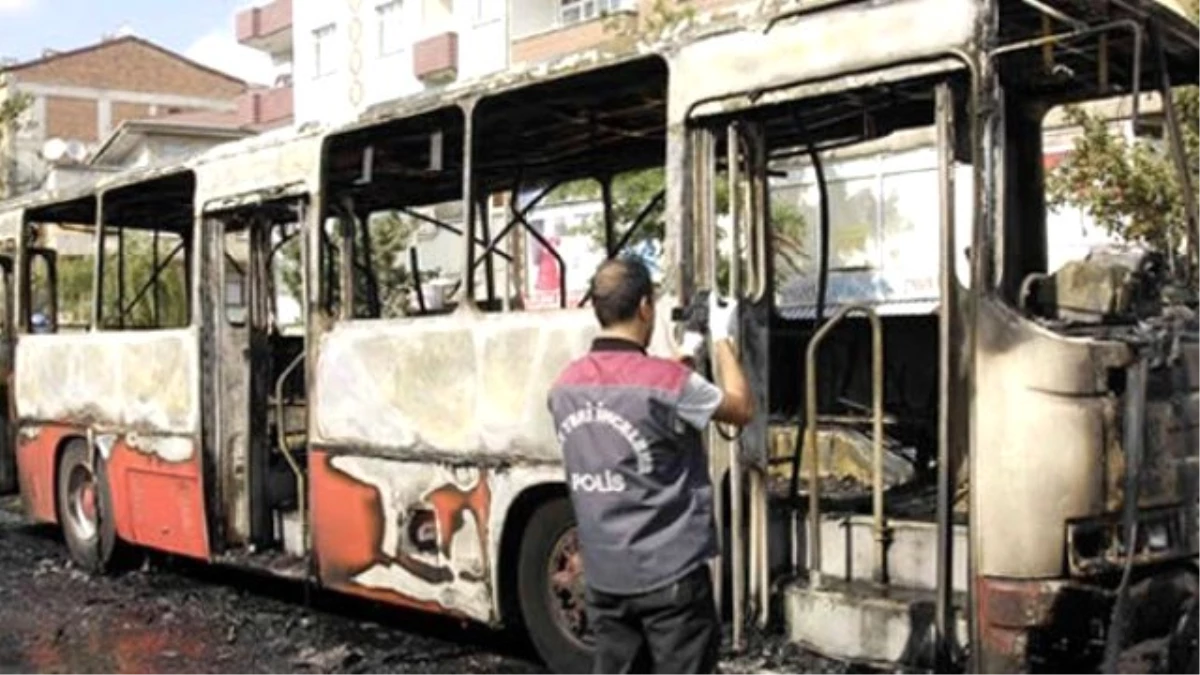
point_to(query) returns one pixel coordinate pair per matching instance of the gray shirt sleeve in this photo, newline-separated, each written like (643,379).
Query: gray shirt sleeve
(698,401)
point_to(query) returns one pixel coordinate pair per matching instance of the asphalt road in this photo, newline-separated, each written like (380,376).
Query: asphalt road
(171,616)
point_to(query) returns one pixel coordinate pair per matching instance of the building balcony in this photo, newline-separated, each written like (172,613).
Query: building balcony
(267,28)
(267,108)
(546,30)
(549,29)
(435,59)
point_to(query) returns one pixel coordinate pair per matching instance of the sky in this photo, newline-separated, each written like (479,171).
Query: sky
(199,29)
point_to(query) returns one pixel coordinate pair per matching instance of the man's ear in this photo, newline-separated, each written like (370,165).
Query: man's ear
(646,308)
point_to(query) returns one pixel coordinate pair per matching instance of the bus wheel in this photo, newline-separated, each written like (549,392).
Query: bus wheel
(90,535)
(551,591)
(1183,652)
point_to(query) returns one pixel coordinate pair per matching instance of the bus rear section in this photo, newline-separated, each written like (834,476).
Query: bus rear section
(107,426)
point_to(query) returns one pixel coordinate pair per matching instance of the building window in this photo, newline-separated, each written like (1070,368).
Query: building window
(323,54)
(575,11)
(391,27)
(486,10)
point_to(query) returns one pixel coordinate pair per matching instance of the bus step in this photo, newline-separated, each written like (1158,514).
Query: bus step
(848,549)
(291,531)
(866,624)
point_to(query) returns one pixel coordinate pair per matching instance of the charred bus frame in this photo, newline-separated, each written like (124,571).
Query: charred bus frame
(411,459)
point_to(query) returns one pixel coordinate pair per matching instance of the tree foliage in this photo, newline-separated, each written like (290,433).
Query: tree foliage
(143,284)
(11,109)
(143,287)
(1129,187)
(632,191)
(660,18)
(391,237)
(382,279)
(74,290)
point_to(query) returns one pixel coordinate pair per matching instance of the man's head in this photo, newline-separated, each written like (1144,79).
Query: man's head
(623,298)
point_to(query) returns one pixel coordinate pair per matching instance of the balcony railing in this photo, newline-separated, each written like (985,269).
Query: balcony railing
(435,59)
(267,108)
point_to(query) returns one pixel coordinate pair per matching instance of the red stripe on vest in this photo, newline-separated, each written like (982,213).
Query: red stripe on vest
(625,369)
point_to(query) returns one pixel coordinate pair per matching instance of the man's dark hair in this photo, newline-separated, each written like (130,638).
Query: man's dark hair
(618,288)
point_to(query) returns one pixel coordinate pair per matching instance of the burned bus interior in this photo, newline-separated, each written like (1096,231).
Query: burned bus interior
(1051,58)
(256,253)
(392,183)
(592,128)
(40,289)
(526,144)
(154,215)
(821,261)
(1048,58)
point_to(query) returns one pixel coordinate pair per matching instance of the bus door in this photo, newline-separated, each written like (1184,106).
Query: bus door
(261,346)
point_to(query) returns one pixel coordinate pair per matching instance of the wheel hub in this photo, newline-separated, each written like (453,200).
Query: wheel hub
(81,500)
(567,590)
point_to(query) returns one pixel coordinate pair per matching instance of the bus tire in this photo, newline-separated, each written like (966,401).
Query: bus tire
(90,536)
(1183,646)
(550,588)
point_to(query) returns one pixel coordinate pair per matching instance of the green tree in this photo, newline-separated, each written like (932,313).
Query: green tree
(391,234)
(661,18)
(1130,187)
(11,109)
(144,287)
(74,290)
(633,190)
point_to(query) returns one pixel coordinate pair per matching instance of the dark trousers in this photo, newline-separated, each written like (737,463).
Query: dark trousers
(674,629)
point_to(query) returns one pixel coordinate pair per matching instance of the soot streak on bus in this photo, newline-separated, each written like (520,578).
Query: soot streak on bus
(421,534)
(426,443)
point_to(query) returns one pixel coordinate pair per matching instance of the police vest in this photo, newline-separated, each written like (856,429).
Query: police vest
(637,473)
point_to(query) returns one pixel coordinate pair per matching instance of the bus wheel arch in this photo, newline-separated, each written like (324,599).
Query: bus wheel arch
(536,526)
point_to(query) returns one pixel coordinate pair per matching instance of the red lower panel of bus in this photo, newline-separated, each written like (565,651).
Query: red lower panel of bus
(159,504)
(348,534)
(156,503)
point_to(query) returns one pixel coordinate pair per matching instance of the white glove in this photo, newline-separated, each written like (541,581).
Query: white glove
(691,344)
(720,319)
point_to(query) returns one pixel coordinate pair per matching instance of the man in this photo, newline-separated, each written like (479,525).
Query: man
(630,429)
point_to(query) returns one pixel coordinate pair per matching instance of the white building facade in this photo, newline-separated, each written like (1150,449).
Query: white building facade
(351,54)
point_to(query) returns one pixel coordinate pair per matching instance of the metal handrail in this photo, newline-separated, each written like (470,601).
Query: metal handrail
(756,242)
(281,440)
(811,422)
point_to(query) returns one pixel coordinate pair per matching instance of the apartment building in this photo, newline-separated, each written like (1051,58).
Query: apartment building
(351,54)
(269,28)
(79,97)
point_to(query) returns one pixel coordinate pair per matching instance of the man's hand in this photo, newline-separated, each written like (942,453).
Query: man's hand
(720,319)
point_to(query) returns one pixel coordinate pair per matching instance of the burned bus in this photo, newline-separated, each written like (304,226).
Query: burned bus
(977,457)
